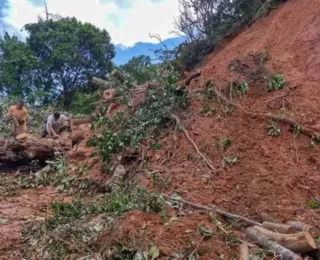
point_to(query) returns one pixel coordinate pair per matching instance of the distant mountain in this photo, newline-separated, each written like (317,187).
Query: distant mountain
(124,54)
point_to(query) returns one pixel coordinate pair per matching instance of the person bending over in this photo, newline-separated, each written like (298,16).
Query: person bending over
(55,124)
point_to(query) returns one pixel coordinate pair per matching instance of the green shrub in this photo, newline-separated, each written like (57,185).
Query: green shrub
(274,82)
(239,88)
(273,129)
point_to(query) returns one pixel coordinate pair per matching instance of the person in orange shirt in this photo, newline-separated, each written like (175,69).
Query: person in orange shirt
(19,115)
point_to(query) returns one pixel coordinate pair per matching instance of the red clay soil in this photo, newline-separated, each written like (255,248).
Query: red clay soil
(273,176)
(16,211)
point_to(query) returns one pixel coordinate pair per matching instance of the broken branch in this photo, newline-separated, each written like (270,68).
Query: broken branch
(207,162)
(214,208)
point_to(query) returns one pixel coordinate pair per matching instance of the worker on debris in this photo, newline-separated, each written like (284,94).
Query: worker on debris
(19,115)
(55,124)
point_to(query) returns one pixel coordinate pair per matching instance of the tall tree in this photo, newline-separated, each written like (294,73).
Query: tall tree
(17,63)
(68,53)
(140,68)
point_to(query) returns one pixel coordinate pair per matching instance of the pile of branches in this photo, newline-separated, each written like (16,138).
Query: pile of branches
(147,110)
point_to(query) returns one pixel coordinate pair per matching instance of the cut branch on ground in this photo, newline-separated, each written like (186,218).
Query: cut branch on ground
(207,162)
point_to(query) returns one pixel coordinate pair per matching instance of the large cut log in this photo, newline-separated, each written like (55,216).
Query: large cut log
(281,228)
(301,242)
(26,148)
(304,227)
(266,242)
(244,252)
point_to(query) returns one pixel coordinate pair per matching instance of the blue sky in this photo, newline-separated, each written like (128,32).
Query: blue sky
(127,21)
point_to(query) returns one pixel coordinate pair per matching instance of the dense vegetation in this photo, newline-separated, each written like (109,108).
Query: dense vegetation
(206,22)
(57,60)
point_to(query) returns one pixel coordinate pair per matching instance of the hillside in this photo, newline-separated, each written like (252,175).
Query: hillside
(257,176)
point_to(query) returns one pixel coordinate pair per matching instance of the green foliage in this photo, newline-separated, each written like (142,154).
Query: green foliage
(17,64)
(209,92)
(59,56)
(194,53)
(156,146)
(273,129)
(140,69)
(69,53)
(206,22)
(57,177)
(313,204)
(207,109)
(274,82)
(239,88)
(158,180)
(121,202)
(226,144)
(147,120)
(84,103)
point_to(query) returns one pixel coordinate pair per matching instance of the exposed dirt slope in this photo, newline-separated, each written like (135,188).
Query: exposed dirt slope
(273,175)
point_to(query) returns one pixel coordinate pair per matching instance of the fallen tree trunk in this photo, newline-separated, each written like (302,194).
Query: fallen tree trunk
(304,227)
(266,242)
(25,148)
(281,228)
(301,242)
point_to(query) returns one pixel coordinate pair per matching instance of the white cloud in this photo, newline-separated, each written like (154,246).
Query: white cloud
(125,25)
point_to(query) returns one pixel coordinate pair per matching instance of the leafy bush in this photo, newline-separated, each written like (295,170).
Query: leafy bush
(239,88)
(274,82)
(273,129)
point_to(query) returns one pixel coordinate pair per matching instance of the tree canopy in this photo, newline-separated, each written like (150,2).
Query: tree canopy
(17,63)
(59,56)
(140,68)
